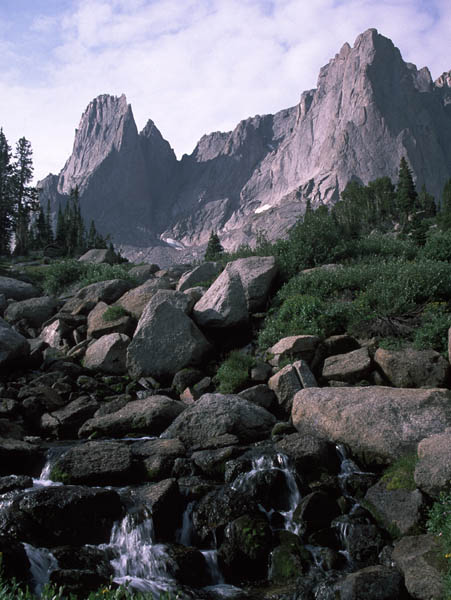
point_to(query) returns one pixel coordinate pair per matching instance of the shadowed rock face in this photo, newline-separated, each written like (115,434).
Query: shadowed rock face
(369,109)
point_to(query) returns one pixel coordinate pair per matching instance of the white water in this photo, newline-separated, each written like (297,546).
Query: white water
(42,563)
(279,463)
(53,454)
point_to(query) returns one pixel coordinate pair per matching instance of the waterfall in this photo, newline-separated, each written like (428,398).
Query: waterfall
(53,454)
(42,563)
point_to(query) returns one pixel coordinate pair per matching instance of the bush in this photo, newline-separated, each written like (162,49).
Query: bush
(63,274)
(113,313)
(433,331)
(233,374)
(438,246)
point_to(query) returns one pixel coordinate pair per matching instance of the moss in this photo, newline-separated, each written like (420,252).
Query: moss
(400,475)
(56,474)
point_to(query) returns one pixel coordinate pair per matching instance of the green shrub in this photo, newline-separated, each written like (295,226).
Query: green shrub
(438,246)
(233,374)
(433,331)
(61,275)
(439,523)
(379,245)
(115,312)
(400,475)
(104,272)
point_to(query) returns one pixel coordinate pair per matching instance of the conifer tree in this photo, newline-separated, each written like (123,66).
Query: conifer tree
(426,203)
(445,212)
(406,194)
(25,196)
(5,195)
(214,247)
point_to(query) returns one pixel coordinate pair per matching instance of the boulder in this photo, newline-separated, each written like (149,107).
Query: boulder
(377,423)
(35,310)
(166,340)
(102,291)
(288,381)
(57,335)
(372,583)
(149,416)
(411,368)
(16,289)
(99,326)
(65,422)
(315,512)
(15,482)
(13,346)
(98,256)
(52,516)
(398,511)
(339,344)
(261,395)
(95,463)
(136,299)
(108,354)
(187,565)
(198,275)
(361,539)
(257,274)
(309,452)
(217,414)
(142,273)
(165,503)
(433,470)
(420,559)
(350,367)
(158,456)
(18,457)
(293,347)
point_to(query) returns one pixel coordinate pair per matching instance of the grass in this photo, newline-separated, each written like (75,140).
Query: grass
(113,313)
(400,475)
(233,374)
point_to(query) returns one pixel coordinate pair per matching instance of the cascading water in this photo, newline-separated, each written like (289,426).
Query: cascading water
(42,563)
(279,463)
(53,454)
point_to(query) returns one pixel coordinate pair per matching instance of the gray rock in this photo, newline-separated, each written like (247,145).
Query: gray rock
(65,422)
(261,395)
(103,291)
(340,344)
(350,367)
(257,274)
(98,326)
(143,272)
(164,502)
(158,456)
(398,511)
(13,346)
(57,334)
(18,457)
(98,256)
(108,354)
(35,310)
(217,414)
(372,583)
(293,347)
(377,423)
(166,340)
(309,452)
(413,368)
(149,416)
(16,289)
(288,381)
(417,557)
(198,275)
(136,300)
(433,470)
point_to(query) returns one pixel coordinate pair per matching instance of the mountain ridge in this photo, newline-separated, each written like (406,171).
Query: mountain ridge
(368,110)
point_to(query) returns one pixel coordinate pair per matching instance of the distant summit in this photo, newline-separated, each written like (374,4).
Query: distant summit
(369,109)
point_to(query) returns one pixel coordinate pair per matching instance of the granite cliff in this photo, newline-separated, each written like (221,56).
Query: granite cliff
(369,109)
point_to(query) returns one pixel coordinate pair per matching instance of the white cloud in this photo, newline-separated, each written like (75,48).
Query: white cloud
(194,66)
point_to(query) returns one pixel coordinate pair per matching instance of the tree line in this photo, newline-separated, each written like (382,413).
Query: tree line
(24,223)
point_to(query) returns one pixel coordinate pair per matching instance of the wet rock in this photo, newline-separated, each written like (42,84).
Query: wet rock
(411,368)
(287,561)
(15,482)
(217,414)
(361,540)
(398,511)
(310,453)
(315,511)
(433,470)
(350,367)
(165,503)
(212,462)
(187,565)
(158,456)
(373,583)
(16,289)
(18,457)
(165,325)
(420,559)
(108,354)
(53,516)
(95,463)
(294,347)
(83,558)
(78,581)
(377,423)
(244,552)
(149,416)
(14,562)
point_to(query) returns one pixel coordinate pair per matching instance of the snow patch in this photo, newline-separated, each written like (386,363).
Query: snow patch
(261,209)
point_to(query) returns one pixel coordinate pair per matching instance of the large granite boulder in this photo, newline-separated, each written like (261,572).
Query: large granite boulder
(99,324)
(377,423)
(300,347)
(217,414)
(411,368)
(108,354)
(243,287)
(16,289)
(102,291)
(372,583)
(136,299)
(166,340)
(98,256)
(95,463)
(288,381)
(65,422)
(149,416)
(433,470)
(18,457)
(35,310)
(350,367)
(13,346)
(198,275)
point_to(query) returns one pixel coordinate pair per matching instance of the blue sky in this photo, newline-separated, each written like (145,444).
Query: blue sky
(191,66)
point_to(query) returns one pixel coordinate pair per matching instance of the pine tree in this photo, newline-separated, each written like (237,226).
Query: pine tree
(445,209)
(426,203)
(406,194)
(5,195)
(24,195)
(214,247)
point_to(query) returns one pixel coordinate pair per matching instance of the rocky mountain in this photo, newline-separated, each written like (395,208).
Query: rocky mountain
(369,109)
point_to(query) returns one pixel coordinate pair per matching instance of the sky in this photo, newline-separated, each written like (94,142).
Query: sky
(193,67)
